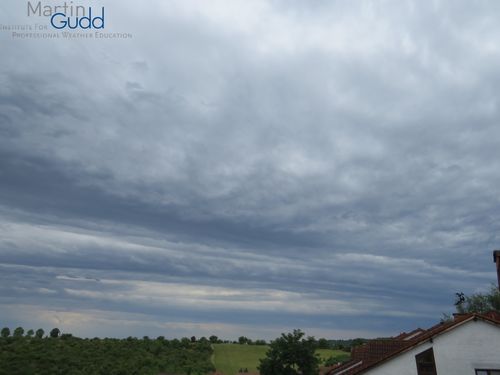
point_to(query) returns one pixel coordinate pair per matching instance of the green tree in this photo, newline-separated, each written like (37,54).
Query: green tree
(30,333)
(242,340)
(39,333)
(479,302)
(291,354)
(55,332)
(203,340)
(5,332)
(213,339)
(18,332)
(323,344)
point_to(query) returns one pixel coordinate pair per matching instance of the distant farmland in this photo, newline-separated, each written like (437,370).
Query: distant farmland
(230,358)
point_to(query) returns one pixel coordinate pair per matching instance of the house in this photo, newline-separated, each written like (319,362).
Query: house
(467,345)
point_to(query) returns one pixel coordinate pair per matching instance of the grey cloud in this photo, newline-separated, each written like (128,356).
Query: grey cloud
(343,151)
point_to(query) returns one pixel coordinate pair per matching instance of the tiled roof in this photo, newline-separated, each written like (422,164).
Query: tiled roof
(375,352)
(411,335)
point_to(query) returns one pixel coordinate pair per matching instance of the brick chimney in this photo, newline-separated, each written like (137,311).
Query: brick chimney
(496,259)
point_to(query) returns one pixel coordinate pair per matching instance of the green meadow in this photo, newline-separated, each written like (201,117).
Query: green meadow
(230,358)
(325,354)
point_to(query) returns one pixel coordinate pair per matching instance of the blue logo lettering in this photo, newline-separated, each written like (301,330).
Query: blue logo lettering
(60,21)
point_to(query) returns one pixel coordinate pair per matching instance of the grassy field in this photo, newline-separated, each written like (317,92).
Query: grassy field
(230,358)
(324,354)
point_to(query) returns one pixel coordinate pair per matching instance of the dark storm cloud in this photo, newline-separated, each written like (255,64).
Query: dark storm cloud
(302,165)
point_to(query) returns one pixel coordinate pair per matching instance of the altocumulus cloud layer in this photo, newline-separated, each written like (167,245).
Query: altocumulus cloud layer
(250,167)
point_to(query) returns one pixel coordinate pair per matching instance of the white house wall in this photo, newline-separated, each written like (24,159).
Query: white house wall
(474,345)
(457,352)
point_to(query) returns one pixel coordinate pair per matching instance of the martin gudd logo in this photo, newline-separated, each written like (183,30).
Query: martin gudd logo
(69,16)
(65,20)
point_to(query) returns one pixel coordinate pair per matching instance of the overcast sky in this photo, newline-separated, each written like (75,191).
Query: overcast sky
(250,167)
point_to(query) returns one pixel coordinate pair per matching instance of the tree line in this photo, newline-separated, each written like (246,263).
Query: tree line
(35,353)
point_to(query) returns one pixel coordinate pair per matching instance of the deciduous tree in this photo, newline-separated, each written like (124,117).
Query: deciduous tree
(291,354)
(5,332)
(242,340)
(18,332)
(479,302)
(213,339)
(55,332)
